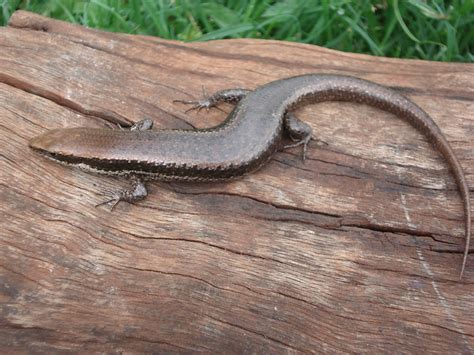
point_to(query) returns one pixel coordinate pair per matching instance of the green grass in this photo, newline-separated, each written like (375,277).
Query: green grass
(434,30)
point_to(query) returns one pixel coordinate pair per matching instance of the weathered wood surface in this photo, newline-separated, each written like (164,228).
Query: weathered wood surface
(357,250)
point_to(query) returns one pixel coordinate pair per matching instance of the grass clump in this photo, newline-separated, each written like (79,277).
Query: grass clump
(433,30)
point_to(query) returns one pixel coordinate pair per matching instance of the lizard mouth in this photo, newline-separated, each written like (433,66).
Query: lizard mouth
(36,143)
(39,146)
(57,144)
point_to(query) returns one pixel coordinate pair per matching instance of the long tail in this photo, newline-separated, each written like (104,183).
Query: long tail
(344,88)
(393,102)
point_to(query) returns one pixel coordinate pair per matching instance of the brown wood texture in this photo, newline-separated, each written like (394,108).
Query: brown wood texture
(356,250)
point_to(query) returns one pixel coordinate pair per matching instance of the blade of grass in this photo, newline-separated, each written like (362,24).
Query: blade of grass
(356,28)
(230,31)
(402,23)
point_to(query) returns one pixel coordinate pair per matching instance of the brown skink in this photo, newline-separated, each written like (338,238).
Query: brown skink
(248,137)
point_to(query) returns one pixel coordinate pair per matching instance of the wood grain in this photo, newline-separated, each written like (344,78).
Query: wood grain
(356,250)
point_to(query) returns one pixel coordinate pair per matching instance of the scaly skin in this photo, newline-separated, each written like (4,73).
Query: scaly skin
(243,142)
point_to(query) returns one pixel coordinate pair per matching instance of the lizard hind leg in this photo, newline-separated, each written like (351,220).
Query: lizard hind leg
(232,96)
(300,132)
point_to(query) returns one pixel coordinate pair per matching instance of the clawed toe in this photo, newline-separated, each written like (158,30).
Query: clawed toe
(304,142)
(197,105)
(319,142)
(112,202)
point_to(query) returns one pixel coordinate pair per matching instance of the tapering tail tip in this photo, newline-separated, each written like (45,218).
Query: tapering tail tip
(467,245)
(464,261)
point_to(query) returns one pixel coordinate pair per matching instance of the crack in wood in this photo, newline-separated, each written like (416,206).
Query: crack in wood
(360,175)
(341,219)
(242,328)
(86,232)
(162,342)
(29,88)
(314,295)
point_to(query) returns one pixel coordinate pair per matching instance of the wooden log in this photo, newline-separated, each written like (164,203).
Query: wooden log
(356,250)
